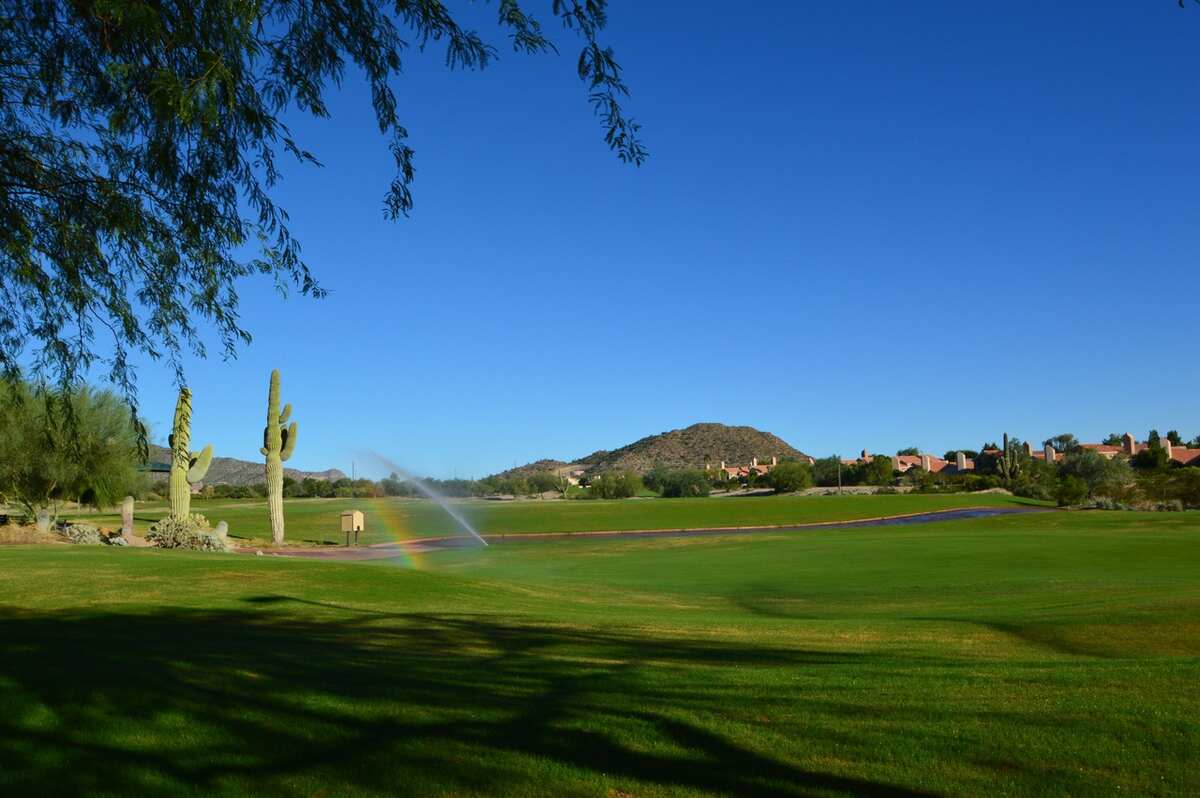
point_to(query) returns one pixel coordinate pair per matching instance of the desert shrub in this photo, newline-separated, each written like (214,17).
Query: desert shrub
(886,490)
(193,532)
(615,485)
(1070,490)
(83,534)
(790,476)
(1107,503)
(680,484)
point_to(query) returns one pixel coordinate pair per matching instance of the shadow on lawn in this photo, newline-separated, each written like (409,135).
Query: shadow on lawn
(267,700)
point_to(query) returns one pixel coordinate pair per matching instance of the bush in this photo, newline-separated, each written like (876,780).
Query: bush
(55,447)
(1070,490)
(83,534)
(790,476)
(680,484)
(615,486)
(193,532)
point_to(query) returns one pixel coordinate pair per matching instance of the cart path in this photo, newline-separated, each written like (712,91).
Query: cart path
(384,551)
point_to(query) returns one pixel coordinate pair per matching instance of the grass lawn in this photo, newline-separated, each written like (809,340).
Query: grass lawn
(317,520)
(1050,654)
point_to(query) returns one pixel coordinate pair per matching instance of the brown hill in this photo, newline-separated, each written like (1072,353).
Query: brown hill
(691,447)
(231,471)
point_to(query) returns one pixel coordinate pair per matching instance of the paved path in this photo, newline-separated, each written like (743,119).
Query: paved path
(383,551)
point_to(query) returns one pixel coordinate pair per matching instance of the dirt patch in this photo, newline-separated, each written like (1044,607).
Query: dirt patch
(14,534)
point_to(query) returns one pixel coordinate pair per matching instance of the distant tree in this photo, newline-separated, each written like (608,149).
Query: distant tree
(991,445)
(75,446)
(1113,439)
(684,483)
(1174,438)
(877,471)
(1063,444)
(317,488)
(1071,490)
(655,477)
(1153,457)
(790,476)
(140,146)
(967,453)
(614,485)
(1101,475)
(294,491)
(910,451)
(393,485)
(543,481)
(825,471)
(562,484)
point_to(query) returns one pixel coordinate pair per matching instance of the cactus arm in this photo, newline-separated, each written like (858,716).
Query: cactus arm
(286,414)
(289,442)
(200,465)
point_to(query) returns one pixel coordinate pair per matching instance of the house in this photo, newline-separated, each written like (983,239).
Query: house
(755,467)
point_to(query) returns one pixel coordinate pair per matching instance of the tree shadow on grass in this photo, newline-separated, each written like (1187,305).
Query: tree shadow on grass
(272,700)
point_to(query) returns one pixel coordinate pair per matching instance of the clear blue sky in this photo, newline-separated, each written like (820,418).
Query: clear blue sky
(862,225)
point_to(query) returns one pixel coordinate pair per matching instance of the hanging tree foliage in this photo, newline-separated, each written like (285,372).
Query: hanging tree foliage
(138,146)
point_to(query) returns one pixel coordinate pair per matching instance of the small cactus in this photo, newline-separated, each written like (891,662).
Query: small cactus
(279,441)
(187,467)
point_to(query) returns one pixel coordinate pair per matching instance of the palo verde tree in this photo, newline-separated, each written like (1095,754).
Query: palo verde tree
(46,460)
(138,153)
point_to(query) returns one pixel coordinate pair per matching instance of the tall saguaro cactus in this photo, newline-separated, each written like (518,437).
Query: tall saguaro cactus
(187,467)
(279,441)
(1008,466)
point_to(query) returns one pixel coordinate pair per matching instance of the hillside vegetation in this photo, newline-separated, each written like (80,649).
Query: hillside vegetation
(690,447)
(231,471)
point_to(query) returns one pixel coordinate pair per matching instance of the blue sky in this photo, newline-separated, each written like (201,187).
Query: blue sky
(862,225)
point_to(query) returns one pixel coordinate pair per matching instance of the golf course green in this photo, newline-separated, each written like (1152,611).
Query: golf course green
(1045,653)
(316,521)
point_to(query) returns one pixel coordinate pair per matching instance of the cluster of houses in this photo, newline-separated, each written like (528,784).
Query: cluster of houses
(962,464)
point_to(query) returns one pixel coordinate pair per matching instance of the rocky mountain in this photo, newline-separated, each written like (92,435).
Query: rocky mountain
(231,471)
(691,447)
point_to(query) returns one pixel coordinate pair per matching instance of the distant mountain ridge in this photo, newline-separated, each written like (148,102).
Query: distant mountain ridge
(690,447)
(231,471)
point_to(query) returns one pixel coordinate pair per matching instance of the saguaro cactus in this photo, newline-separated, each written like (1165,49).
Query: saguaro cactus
(1009,465)
(187,467)
(279,440)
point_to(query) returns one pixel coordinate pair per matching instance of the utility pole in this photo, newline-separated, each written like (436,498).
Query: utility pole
(839,476)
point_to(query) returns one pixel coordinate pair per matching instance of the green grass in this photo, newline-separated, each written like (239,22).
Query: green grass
(1050,654)
(317,520)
